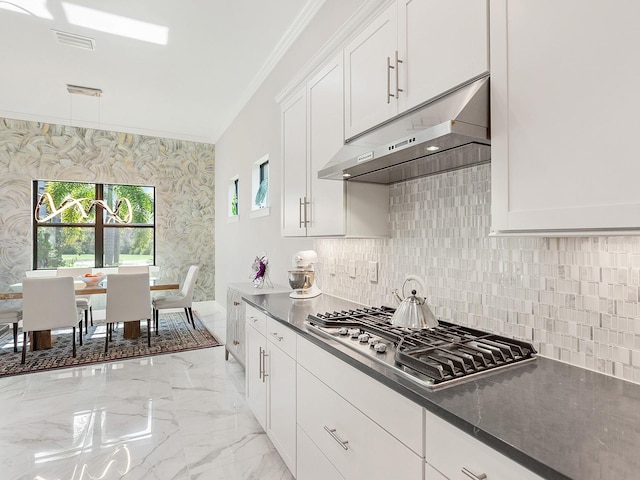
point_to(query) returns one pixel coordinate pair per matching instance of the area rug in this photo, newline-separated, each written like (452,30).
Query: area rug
(175,335)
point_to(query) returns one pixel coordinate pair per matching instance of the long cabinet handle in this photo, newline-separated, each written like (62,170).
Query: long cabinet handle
(389,67)
(398,89)
(302,212)
(300,207)
(472,475)
(334,435)
(261,369)
(264,366)
(306,212)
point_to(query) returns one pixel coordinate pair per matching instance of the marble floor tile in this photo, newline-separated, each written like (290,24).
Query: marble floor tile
(169,417)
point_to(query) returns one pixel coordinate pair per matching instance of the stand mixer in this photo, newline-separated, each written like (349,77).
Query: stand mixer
(302,277)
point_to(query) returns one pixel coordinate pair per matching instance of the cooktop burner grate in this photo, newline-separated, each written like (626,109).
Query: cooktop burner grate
(448,351)
(440,355)
(352,318)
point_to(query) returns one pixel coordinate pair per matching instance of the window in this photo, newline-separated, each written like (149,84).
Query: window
(92,225)
(233,198)
(260,187)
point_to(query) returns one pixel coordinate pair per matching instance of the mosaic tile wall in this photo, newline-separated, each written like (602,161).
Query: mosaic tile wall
(181,171)
(576,298)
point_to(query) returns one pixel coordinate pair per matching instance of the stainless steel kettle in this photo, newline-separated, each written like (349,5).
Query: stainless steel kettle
(413,312)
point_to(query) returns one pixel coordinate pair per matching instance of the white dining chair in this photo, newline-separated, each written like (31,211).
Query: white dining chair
(182,299)
(128,300)
(12,316)
(48,303)
(83,302)
(133,269)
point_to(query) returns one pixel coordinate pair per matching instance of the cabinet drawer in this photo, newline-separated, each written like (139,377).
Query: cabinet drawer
(399,416)
(355,445)
(451,450)
(256,319)
(282,337)
(312,464)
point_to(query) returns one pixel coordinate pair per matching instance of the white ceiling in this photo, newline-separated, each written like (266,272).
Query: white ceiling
(217,54)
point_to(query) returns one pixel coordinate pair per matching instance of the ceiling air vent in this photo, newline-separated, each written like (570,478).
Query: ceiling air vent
(73,40)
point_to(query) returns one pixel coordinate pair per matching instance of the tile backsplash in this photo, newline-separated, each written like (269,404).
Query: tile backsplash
(575,298)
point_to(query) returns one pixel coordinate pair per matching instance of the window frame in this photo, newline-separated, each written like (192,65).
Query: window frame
(98,226)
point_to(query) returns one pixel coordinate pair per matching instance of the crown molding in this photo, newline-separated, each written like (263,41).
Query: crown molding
(297,27)
(369,10)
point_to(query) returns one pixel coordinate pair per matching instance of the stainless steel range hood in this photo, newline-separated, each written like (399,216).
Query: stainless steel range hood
(446,133)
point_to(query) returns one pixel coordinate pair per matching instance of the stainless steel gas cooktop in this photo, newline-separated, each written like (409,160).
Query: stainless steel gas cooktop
(433,357)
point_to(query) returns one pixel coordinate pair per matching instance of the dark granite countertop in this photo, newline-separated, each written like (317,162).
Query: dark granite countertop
(560,421)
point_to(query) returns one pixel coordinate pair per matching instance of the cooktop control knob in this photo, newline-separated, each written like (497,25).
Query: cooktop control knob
(373,341)
(354,332)
(363,337)
(343,331)
(380,347)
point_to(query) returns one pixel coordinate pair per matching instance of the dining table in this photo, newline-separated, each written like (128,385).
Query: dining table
(41,340)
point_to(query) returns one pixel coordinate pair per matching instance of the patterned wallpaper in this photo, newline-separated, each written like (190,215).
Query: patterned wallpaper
(181,171)
(576,298)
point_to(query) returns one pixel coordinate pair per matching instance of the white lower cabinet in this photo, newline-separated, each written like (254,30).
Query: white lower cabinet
(235,326)
(459,456)
(281,392)
(354,444)
(349,417)
(255,381)
(271,381)
(396,414)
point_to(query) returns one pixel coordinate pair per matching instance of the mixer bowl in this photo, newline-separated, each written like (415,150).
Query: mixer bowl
(301,279)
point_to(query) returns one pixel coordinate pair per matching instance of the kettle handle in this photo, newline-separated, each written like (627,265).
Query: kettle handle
(418,280)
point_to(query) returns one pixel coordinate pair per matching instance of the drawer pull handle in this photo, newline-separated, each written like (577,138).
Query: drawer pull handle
(254,319)
(332,432)
(473,476)
(236,303)
(275,334)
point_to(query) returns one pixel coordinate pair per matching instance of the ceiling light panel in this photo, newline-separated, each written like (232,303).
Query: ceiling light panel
(36,8)
(73,40)
(115,24)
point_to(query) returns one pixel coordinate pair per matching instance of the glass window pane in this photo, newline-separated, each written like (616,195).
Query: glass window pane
(65,202)
(128,246)
(129,204)
(66,247)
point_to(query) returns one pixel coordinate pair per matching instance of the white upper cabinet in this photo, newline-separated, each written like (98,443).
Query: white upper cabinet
(441,44)
(312,129)
(564,102)
(368,77)
(294,165)
(325,132)
(414,51)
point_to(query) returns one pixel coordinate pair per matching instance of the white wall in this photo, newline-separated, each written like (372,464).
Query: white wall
(253,134)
